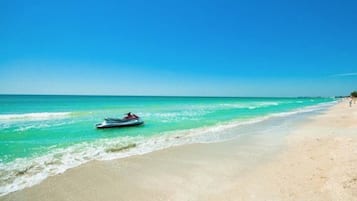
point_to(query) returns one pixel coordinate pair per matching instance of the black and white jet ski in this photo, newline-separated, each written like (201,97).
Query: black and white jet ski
(124,122)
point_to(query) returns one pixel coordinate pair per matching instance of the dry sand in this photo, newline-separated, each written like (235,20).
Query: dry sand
(318,162)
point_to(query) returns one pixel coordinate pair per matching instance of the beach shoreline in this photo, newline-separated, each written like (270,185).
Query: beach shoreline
(316,163)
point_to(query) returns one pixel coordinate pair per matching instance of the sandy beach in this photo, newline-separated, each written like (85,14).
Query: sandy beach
(317,161)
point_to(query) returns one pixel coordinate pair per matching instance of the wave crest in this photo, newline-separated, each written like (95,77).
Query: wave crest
(34,116)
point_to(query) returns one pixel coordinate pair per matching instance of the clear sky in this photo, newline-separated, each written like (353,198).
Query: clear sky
(203,48)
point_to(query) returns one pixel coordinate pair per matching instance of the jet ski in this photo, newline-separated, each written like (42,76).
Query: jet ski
(115,122)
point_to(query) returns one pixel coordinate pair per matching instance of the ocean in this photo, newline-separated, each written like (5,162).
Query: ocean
(44,135)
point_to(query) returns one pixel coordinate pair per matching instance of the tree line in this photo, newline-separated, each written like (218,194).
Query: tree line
(354,94)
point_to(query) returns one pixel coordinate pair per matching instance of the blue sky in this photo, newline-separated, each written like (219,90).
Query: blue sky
(203,48)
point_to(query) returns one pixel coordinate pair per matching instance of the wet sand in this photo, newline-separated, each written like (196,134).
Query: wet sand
(317,161)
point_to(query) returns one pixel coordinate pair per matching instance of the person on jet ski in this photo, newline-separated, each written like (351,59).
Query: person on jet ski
(131,116)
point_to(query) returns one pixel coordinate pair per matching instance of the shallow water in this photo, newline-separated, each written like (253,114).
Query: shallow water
(45,135)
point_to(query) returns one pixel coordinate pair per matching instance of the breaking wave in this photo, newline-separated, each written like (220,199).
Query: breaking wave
(34,116)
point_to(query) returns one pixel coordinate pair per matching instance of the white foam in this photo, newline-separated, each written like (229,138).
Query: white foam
(175,116)
(40,125)
(34,116)
(268,103)
(249,105)
(23,173)
(305,109)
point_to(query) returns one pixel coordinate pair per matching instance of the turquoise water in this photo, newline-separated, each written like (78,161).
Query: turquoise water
(45,135)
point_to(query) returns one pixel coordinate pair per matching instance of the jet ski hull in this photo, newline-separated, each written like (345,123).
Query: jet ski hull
(113,123)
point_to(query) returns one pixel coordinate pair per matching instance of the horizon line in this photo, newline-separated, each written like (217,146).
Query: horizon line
(188,96)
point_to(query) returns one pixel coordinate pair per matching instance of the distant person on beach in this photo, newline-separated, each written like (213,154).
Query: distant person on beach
(350,101)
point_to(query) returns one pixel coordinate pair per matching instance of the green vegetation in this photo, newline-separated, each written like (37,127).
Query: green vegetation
(354,94)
